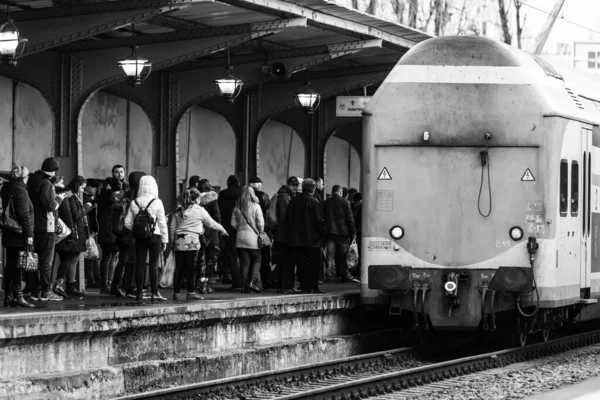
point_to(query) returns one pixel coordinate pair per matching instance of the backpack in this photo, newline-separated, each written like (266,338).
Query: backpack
(143,223)
(272,211)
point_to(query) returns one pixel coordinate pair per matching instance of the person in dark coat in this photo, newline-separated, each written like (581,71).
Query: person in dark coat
(267,276)
(45,204)
(339,226)
(357,212)
(13,242)
(227,200)
(285,255)
(74,213)
(122,283)
(210,250)
(305,231)
(113,193)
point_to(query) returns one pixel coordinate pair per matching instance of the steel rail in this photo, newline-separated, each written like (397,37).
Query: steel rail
(303,371)
(397,381)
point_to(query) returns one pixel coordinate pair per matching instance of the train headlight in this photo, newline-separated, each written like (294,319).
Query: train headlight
(396,232)
(450,286)
(516,233)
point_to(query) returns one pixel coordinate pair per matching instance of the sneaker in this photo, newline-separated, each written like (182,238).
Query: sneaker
(131,295)
(37,297)
(146,294)
(50,297)
(194,296)
(176,297)
(350,279)
(157,296)
(60,291)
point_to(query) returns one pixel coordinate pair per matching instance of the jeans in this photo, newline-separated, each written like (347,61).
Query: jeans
(307,259)
(68,266)
(285,266)
(142,249)
(230,260)
(250,264)
(185,265)
(267,275)
(12,274)
(41,279)
(108,264)
(337,249)
(124,271)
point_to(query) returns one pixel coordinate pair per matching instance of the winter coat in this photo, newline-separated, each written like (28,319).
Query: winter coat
(338,217)
(246,237)
(304,223)
(209,200)
(24,213)
(149,190)
(106,203)
(73,213)
(45,204)
(192,221)
(284,196)
(93,214)
(263,200)
(227,199)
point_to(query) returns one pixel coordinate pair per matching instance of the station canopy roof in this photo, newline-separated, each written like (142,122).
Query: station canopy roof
(328,23)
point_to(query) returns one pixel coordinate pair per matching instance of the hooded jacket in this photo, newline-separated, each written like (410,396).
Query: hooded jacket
(45,204)
(284,196)
(147,191)
(209,200)
(23,213)
(191,221)
(227,199)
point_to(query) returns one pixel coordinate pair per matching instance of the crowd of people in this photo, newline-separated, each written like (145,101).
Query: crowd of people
(239,236)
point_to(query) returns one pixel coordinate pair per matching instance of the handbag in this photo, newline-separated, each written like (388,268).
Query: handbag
(263,239)
(28,259)
(8,219)
(62,230)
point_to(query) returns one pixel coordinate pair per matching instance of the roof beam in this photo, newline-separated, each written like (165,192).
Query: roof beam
(324,21)
(99,7)
(280,55)
(50,33)
(188,34)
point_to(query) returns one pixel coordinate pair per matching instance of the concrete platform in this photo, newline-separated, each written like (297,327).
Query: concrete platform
(587,390)
(101,346)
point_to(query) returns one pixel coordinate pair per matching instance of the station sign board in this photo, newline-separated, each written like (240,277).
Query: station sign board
(350,106)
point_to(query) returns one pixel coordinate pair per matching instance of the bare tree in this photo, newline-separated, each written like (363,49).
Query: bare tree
(441,16)
(399,7)
(520,24)
(412,13)
(507,36)
(372,9)
(355,4)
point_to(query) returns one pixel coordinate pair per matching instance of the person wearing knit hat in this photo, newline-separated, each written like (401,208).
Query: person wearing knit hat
(45,204)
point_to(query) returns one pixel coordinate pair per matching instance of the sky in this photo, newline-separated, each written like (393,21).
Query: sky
(585,13)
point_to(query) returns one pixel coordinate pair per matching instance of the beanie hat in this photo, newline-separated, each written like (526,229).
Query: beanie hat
(135,177)
(50,165)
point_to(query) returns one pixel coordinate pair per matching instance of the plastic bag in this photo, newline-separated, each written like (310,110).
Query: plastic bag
(166,279)
(62,230)
(92,252)
(352,257)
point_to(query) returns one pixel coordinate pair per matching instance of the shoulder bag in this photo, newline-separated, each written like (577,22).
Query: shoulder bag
(263,239)
(8,219)
(28,259)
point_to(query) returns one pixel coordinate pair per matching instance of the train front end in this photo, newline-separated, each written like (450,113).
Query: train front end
(454,194)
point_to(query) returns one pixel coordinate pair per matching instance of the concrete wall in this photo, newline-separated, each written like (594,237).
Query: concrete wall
(277,160)
(212,142)
(342,164)
(115,131)
(29,140)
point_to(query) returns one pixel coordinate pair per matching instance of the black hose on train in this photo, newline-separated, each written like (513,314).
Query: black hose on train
(485,161)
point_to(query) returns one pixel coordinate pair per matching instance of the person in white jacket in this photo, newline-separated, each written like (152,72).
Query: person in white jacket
(147,197)
(187,225)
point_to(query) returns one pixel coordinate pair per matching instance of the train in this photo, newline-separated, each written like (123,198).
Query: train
(481,178)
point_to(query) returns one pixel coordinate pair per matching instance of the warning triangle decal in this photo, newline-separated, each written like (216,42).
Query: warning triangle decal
(384,175)
(528,176)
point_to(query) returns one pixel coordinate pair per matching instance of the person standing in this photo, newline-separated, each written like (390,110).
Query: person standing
(13,242)
(156,242)
(247,219)
(227,200)
(284,251)
(74,213)
(339,226)
(305,234)
(267,276)
(210,250)
(187,225)
(45,204)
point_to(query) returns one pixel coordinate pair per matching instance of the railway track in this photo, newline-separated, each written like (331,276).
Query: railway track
(364,376)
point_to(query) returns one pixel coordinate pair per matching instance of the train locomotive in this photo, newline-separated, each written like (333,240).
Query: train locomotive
(481,178)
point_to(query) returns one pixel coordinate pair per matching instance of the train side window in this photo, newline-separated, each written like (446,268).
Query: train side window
(564,187)
(574,188)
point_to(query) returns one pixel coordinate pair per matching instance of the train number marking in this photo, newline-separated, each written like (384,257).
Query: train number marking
(384,175)
(502,244)
(379,245)
(528,176)
(384,200)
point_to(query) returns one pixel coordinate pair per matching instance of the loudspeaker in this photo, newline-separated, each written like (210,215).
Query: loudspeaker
(279,71)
